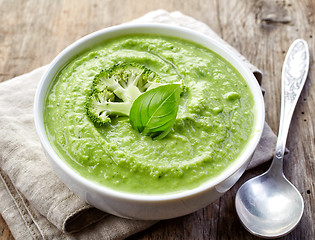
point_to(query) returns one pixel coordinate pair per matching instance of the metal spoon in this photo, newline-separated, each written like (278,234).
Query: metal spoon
(268,205)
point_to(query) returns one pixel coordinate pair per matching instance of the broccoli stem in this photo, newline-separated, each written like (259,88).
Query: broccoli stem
(115,108)
(128,94)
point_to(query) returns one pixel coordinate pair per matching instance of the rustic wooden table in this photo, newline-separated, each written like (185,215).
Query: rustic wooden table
(33,32)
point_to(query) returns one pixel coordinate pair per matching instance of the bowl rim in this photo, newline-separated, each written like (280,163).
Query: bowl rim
(170,30)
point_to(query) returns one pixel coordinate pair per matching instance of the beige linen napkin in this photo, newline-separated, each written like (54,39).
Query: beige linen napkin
(34,202)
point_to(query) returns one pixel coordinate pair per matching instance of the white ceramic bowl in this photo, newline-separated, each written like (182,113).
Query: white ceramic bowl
(137,206)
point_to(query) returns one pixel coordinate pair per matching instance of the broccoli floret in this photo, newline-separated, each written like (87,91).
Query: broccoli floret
(126,81)
(115,89)
(100,105)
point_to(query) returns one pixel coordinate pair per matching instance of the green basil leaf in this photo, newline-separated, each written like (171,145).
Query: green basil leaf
(154,112)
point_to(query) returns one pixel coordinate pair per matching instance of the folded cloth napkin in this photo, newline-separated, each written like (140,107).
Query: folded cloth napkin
(34,202)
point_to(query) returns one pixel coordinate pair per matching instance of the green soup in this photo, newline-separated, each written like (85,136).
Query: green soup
(214,121)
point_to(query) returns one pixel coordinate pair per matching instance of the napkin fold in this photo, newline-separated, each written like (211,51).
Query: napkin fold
(34,202)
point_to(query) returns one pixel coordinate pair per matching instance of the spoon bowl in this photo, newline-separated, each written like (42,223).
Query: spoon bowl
(269,206)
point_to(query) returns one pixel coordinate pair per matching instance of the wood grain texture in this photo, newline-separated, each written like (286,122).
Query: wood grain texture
(5,233)
(33,32)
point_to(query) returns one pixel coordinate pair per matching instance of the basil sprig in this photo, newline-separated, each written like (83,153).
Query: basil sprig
(154,112)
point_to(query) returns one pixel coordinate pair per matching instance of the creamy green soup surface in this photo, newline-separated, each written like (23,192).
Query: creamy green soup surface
(214,121)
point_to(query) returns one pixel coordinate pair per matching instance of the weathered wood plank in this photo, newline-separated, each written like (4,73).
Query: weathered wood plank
(5,233)
(33,32)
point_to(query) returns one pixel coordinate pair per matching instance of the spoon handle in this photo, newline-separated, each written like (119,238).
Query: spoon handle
(294,73)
